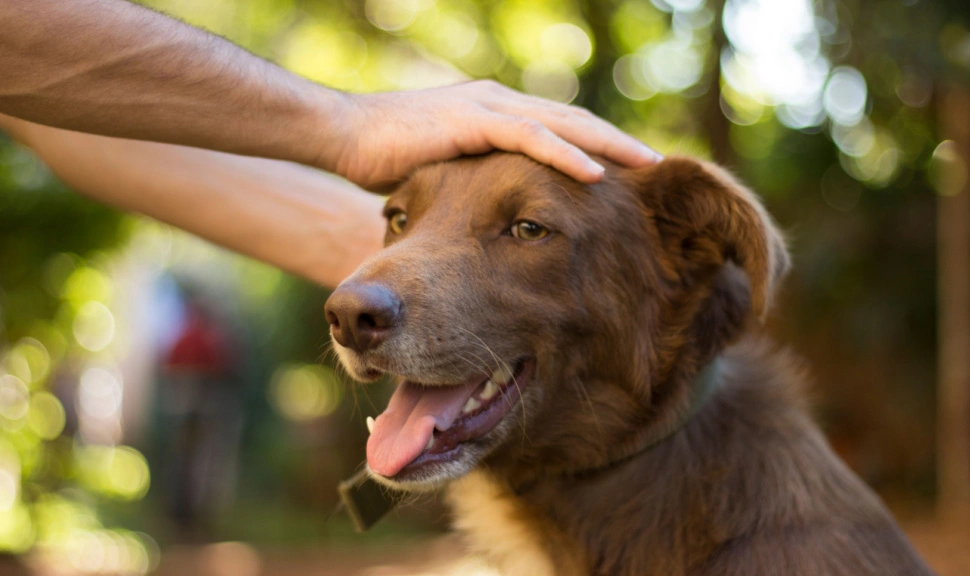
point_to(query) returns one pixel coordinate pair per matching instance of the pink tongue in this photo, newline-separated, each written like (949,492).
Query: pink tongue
(402,432)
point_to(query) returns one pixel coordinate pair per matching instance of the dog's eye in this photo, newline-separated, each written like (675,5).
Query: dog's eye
(526,230)
(397,221)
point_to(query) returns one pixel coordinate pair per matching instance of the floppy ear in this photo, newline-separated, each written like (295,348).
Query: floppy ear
(705,220)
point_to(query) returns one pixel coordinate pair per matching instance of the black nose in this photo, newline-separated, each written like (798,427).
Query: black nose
(362,315)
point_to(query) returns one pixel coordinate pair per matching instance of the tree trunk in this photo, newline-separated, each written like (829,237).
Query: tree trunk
(718,126)
(598,79)
(953,264)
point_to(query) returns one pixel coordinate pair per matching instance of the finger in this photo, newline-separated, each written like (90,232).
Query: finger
(583,129)
(528,136)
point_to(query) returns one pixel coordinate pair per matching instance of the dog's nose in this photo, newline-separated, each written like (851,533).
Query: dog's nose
(362,315)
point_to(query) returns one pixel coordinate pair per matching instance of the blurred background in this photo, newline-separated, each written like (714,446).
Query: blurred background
(166,406)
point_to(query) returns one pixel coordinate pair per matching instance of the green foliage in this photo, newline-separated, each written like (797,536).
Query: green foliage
(51,244)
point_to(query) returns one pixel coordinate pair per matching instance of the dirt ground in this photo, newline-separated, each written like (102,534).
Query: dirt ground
(946,548)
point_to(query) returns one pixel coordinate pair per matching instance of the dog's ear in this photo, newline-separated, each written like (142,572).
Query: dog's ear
(705,220)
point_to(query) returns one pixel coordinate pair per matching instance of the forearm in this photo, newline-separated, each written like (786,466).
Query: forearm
(300,220)
(114,68)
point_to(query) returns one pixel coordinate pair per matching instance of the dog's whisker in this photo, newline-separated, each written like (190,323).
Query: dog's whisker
(483,365)
(344,380)
(365,390)
(483,368)
(503,363)
(498,361)
(522,421)
(584,395)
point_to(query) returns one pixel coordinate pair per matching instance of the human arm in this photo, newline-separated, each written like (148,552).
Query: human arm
(298,219)
(114,68)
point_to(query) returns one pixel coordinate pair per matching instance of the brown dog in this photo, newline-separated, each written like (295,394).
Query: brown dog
(575,370)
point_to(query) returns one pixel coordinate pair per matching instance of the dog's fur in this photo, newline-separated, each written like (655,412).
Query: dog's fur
(644,279)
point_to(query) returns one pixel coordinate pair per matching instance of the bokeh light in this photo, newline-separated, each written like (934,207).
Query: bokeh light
(29,361)
(566,43)
(672,5)
(948,171)
(14,398)
(673,65)
(856,139)
(16,364)
(629,78)
(10,472)
(16,529)
(46,416)
(117,471)
(393,15)
(86,284)
(99,551)
(327,54)
(845,96)
(305,392)
(878,164)
(550,80)
(94,326)
(775,57)
(99,393)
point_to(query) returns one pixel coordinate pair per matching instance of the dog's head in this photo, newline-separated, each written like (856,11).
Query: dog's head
(535,321)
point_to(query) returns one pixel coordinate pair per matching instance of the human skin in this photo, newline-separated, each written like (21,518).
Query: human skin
(114,68)
(299,219)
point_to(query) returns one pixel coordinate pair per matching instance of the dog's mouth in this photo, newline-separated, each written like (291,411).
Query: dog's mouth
(426,425)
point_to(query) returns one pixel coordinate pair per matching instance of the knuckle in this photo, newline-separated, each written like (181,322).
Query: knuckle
(530,127)
(488,85)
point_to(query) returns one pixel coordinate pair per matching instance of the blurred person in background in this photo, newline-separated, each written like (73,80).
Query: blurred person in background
(112,68)
(200,416)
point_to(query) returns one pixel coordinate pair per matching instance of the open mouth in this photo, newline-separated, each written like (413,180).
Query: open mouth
(424,425)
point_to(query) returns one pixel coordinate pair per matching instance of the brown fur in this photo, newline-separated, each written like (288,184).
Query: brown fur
(646,277)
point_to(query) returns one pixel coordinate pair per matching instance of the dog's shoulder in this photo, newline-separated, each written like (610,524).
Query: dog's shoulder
(504,529)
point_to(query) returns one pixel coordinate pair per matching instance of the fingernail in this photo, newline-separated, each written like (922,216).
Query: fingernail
(650,153)
(595,168)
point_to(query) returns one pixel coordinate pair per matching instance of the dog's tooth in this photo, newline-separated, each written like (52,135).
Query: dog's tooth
(502,375)
(491,389)
(471,405)
(430,443)
(370,424)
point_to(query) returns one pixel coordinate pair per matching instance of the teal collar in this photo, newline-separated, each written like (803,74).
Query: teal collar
(703,387)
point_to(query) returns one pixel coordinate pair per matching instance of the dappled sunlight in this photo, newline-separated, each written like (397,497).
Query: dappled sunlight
(166,405)
(775,56)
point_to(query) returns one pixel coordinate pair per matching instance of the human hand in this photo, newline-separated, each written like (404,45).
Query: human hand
(385,136)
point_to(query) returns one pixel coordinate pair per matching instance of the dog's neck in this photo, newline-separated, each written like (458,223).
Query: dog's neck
(700,391)
(544,506)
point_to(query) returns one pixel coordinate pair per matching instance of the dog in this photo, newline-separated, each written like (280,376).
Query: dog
(580,371)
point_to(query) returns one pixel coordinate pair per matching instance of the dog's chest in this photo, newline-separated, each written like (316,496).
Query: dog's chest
(497,525)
